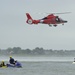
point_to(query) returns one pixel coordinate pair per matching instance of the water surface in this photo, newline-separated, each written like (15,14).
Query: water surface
(38,66)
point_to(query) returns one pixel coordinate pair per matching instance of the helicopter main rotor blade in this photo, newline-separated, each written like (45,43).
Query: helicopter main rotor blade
(60,13)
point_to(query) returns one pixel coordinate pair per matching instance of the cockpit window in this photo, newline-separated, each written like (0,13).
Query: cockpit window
(44,18)
(57,19)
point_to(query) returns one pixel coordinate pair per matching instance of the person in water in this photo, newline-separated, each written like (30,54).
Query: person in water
(2,64)
(11,60)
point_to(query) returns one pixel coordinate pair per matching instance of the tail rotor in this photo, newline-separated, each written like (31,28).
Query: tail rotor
(29,19)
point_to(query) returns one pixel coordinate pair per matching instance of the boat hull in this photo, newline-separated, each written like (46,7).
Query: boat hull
(3,67)
(17,66)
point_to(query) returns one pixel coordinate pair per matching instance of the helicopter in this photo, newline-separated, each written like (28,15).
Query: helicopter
(50,20)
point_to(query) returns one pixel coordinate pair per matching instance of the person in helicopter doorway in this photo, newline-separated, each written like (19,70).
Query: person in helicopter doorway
(11,60)
(2,64)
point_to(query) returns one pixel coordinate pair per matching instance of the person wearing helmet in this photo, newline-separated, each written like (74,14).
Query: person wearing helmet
(2,64)
(11,60)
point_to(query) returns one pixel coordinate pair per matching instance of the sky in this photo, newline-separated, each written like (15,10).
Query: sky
(15,32)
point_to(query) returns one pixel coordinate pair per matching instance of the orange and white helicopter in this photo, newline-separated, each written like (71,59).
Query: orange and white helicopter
(50,19)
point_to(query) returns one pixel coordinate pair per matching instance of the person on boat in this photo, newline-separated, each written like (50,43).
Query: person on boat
(2,64)
(11,60)
(18,64)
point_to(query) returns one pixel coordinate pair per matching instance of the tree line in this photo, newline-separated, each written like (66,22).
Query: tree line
(37,51)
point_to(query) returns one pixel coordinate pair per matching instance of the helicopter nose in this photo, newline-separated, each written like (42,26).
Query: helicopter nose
(65,21)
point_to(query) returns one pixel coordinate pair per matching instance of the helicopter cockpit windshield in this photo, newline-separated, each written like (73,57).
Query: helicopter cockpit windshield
(57,19)
(44,18)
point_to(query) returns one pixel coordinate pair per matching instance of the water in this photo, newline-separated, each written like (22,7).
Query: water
(42,67)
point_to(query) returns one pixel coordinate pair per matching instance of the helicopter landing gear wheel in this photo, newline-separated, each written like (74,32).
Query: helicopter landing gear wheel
(54,25)
(50,25)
